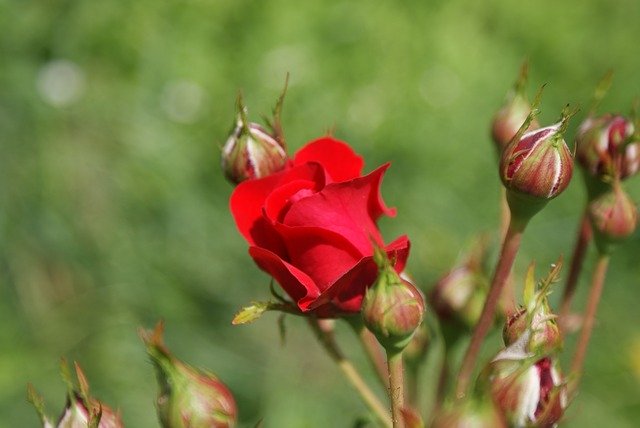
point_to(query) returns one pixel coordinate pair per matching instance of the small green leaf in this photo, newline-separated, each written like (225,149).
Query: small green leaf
(250,313)
(38,402)
(530,285)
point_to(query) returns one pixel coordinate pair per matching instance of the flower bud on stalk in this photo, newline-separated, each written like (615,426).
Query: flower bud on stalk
(529,391)
(514,112)
(469,413)
(252,152)
(606,150)
(81,410)
(614,217)
(535,321)
(460,294)
(188,398)
(392,308)
(536,167)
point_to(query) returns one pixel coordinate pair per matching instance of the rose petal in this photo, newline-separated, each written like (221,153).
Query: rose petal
(297,284)
(278,202)
(340,161)
(322,254)
(350,291)
(349,209)
(248,199)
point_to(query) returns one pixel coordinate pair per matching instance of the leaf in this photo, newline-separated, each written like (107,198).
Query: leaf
(37,401)
(530,285)
(250,313)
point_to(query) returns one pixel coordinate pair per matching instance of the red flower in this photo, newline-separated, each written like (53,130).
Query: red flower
(311,226)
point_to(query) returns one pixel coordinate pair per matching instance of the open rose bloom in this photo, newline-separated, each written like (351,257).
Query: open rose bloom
(312,227)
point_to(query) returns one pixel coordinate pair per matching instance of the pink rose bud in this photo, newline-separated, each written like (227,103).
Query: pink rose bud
(536,168)
(528,392)
(458,297)
(469,413)
(513,113)
(603,147)
(81,410)
(614,217)
(188,398)
(392,308)
(535,321)
(79,413)
(250,151)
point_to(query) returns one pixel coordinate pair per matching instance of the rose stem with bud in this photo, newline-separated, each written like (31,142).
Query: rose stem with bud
(327,340)
(577,259)
(396,387)
(597,284)
(510,248)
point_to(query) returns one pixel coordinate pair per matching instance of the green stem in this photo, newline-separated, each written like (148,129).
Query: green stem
(577,259)
(597,284)
(396,387)
(510,248)
(327,340)
(376,355)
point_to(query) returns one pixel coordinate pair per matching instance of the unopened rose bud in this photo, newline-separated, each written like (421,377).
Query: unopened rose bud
(79,414)
(536,168)
(392,308)
(459,295)
(529,392)
(250,151)
(603,148)
(545,334)
(469,413)
(614,217)
(81,410)
(512,114)
(534,324)
(188,398)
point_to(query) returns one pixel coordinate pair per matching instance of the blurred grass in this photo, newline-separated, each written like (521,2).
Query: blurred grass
(113,209)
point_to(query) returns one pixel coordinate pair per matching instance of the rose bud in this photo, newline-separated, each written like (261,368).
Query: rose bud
(604,150)
(469,413)
(535,320)
(458,296)
(78,413)
(188,398)
(392,308)
(536,168)
(613,216)
(81,410)
(529,392)
(250,151)
(513,113)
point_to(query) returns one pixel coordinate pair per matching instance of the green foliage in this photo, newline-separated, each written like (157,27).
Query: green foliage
(114,210)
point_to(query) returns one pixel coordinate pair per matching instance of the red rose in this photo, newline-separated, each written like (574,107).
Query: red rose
(311,226)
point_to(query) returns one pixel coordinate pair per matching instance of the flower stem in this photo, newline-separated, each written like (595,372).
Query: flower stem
(577,259)
(327,340)
(372,348)
(597,284)
(508,297)
(396,387)
(510,248)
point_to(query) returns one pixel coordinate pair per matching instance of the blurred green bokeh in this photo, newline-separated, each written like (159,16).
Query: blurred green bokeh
(113,208)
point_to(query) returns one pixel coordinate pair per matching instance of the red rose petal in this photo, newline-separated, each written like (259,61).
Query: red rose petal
(323,255)
(297,284)
(350,291)
(248,199)
(279,201)
(349,209)
(340,161)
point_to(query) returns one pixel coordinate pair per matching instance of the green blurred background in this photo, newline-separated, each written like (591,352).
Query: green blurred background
(113,208)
